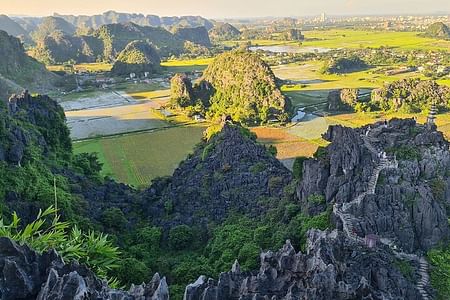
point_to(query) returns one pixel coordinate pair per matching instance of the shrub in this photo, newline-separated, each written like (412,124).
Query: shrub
(405,268)
(114,218)
(258,167)
(248,256)
(438,187)
(440,273)
(180,237)
(297,169)
(133,271)
(316,199)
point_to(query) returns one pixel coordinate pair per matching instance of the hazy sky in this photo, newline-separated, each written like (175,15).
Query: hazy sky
(224,8)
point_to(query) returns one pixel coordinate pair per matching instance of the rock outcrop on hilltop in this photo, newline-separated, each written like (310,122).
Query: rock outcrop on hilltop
(26,274)
(230,172)
(390,178)
(332,267)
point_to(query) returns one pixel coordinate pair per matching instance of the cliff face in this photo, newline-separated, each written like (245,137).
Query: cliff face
(402,198)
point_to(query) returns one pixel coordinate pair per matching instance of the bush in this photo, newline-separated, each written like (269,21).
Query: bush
(180,237)
(249,256)
(114,218)
(297,169)
(440,273)
(316,199)
(438,187)
(133,271)
(258,167)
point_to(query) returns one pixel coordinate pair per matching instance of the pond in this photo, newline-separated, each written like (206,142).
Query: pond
(289,49)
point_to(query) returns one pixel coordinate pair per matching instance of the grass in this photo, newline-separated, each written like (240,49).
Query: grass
(183,66)
(136,159)
(348,38)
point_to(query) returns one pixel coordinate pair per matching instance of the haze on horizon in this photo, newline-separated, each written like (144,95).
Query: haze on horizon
(226,8)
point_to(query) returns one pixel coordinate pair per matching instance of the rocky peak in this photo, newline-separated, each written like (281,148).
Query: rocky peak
(231,171)
(390,180)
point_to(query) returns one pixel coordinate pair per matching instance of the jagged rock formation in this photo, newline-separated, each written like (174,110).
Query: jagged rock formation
(138,57)
(408,206)
(229,172)
(438,31)
(224,32)
(17,69)
(332,267)
(197,35)
(25,274)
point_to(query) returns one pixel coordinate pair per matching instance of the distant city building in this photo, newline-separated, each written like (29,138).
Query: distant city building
(323,18)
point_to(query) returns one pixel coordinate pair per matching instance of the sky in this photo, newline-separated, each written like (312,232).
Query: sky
(225,8)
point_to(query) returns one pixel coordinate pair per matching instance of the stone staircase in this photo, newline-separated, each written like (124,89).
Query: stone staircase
(348,220)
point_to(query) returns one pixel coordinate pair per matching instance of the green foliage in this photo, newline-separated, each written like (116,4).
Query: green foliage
(228,241)
(405,268)
(132,270)
(440,273)
(406,152)
(297,169)
(87,164)
(180,237)
(316,199)
(92,249)
(258,167)
(438,187)
(272,150)
(113,218)
(208,150)
(321,153)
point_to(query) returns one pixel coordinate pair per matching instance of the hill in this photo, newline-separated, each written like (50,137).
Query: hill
(104,44)
(137,57)
(112,17)
(224,32)
(343,65)
(197,35)
(116,37)
(411,95)
(62,48)
(11,27)
(238,84)
(18,70)
(229,172)
(438,31)
(50,26)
